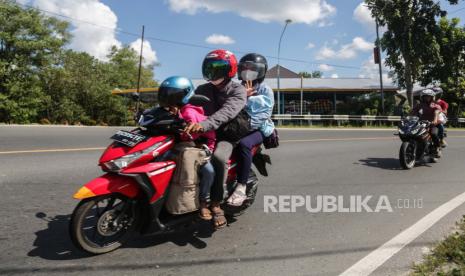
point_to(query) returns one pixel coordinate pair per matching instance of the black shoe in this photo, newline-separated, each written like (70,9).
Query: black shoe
(443,143)
(260,160)
(437,153)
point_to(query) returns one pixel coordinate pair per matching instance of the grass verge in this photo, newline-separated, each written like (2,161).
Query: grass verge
(447,257)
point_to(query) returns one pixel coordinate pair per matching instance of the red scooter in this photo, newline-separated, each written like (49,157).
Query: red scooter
(130,196)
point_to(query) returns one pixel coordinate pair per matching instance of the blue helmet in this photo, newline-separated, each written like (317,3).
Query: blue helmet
(175,91)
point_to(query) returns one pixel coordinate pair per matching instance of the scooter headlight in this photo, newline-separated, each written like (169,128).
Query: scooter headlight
(121,163)
(415,130)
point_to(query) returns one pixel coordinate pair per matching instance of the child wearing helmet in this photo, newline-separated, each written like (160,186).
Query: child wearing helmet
(174,93)
(251,71)
(443,117)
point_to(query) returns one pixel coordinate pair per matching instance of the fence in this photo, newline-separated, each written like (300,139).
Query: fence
(341,119)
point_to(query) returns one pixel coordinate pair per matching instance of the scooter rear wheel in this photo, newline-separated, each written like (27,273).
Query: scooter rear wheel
(102,224)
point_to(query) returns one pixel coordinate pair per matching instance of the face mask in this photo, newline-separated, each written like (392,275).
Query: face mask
(217,82)
(249,75)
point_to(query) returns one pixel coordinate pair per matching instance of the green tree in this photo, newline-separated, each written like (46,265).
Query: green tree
(79,90)
(29,41)
(449,70)
(409,41)
(40,79)
(311,75)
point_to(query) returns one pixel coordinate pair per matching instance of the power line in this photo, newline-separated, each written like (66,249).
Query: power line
(452,12)
(193,45)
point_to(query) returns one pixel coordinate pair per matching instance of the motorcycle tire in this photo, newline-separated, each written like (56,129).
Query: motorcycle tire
(407,155)
(83,221)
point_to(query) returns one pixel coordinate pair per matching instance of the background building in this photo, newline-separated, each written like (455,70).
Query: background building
(325,96)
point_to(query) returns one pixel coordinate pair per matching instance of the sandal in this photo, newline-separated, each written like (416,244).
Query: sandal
(205,213)
(219,220)
(237,198)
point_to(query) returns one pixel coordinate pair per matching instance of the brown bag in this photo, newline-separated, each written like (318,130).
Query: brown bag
(183,196)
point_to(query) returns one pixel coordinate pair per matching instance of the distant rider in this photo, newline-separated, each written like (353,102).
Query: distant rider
(428,110)
(444,106)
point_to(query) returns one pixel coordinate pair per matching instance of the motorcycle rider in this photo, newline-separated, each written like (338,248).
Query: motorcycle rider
(174,93)
(445,106)
(428,110)
(227,99)
(252,70)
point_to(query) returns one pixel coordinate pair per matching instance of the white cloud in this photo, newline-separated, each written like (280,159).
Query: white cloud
(325,53)
(219,39)
(325,68)
(299,11)
(97,37)
(148,54)
(325,23)
(310,46)
(371,70)
(363,15)
(347,51)
(89,38)
(334,76)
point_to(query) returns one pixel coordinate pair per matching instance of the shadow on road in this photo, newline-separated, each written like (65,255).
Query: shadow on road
(54,243)
(381,163)
(189,235)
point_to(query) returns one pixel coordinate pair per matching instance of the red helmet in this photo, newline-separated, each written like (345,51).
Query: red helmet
(219,64)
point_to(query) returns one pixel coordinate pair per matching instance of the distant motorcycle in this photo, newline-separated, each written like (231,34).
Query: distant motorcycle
(417,144)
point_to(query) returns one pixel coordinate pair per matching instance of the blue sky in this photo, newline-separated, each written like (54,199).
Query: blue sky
(324,32)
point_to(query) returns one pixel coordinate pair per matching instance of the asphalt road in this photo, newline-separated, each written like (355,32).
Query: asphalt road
(37,188)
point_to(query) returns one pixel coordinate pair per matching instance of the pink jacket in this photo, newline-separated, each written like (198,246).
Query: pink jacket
(195,114)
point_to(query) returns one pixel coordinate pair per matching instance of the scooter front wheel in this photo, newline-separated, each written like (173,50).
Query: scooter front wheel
(102,224)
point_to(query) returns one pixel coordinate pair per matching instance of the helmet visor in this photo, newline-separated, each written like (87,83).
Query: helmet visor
(250,70)
(214,69)
(171,96)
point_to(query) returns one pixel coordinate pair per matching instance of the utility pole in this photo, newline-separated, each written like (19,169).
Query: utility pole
(378,60)
(278,71)
(140,71)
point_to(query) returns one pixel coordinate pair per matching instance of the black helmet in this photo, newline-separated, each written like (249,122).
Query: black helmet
(252,67)
(175,91)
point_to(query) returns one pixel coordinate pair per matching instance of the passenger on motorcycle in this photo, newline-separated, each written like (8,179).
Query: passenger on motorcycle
(445,106)
(174,93)
(227,99)
(428,110)
(251,71)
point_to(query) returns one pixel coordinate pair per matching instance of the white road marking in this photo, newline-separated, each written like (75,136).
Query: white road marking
(383,253)
(48,150)
(282,141)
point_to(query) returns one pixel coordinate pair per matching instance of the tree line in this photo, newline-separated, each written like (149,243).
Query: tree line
(41,80)
(423,46)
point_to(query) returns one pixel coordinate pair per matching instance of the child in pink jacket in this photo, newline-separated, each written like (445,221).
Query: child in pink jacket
(195,114)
